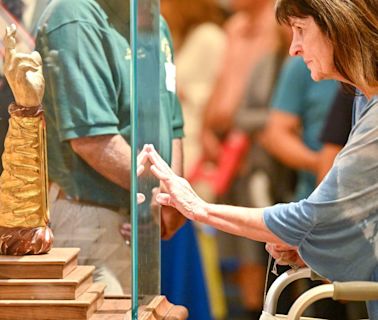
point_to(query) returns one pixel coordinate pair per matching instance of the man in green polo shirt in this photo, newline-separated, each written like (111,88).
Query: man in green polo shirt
(87,106)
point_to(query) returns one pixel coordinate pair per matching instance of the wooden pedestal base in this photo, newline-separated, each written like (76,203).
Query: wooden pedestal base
(53,287)
(158,309)
(48,287)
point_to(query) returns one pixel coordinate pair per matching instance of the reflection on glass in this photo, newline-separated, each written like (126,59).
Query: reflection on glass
(147,76)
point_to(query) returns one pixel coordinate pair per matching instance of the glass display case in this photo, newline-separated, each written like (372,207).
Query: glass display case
(104,63)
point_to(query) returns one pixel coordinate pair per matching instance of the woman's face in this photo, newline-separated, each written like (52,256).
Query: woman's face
(314,47)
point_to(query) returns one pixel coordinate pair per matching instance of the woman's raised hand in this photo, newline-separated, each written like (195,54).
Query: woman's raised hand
(179,193)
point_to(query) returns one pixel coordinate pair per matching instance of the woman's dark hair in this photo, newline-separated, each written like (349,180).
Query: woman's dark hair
(351,26)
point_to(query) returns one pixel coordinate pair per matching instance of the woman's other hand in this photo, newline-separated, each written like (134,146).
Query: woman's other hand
(285,255)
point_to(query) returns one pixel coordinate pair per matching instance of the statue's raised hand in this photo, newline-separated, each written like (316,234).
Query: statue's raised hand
(23,72)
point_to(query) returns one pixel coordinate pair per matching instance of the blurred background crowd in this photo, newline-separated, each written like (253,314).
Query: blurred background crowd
(258,131)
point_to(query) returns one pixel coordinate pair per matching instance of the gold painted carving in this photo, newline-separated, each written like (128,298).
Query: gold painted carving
(23,183)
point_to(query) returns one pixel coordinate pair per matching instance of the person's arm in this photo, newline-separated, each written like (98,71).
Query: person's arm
(247,222)
(227,91)
(241,221)
(282,139)
(87,148)
(109,155)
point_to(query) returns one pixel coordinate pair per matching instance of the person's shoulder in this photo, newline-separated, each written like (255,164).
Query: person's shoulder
(367,119)
(60,12)
(371,109)
(374,101)
(72,8)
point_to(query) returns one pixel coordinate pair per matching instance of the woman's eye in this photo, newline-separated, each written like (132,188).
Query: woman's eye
(298,30)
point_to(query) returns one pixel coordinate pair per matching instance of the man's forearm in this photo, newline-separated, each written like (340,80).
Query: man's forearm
(109,155)
(282,138)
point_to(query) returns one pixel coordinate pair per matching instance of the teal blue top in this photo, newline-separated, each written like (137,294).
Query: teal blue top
(336,227)
(88,94)
(298,94)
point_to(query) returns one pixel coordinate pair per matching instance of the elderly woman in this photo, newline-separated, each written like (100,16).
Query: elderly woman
(334,230)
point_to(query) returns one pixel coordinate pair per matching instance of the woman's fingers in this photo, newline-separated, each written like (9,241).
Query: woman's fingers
(164,199)
(270,248)
(159,167)
(125,231)
(140,170)
(158,173)
(283,254)
(140,198)
(142,156)
(158,161)
(142,160)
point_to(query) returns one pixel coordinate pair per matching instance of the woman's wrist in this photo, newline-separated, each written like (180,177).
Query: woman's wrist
(202,212)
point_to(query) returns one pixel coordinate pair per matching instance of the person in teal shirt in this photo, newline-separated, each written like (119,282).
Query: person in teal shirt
(91,99)
(87,65)
(299,109)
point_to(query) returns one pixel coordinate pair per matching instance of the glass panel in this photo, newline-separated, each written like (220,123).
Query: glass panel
(145,42)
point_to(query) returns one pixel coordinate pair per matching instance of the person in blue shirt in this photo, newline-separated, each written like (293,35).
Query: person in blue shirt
(299,108)
(335,230)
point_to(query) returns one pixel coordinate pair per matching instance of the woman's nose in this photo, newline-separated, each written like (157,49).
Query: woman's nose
(295,47)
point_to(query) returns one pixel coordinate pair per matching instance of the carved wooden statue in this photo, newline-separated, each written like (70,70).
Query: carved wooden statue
(24,211)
